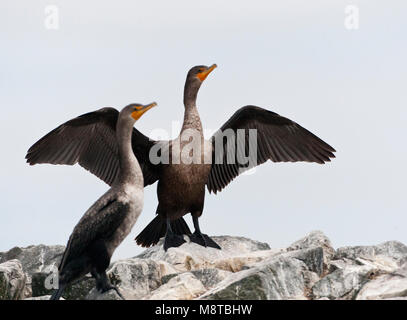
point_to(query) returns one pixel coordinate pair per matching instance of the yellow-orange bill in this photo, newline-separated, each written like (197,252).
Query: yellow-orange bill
(202,75)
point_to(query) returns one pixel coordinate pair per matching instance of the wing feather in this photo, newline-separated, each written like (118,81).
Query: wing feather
(278,139)
(90,140)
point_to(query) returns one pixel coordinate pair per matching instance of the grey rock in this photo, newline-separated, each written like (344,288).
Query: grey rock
(313,258)
(280,277)
(47,297)
(387,286)
(12,280)
(312,240)
(168,277)
(134,278)
(344,283)
(94,294)
(227,243)
(236,252)
(75,291)
(38,284)
(80,289)
(184,286)
(244,269)
(138,276)
(210,277)
(360,267)
(391,253)
(34,259)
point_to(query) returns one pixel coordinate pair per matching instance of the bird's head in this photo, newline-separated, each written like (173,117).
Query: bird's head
(136,110)
(199,73)
(196,75)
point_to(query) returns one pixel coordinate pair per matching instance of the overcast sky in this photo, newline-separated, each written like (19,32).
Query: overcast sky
(296,59)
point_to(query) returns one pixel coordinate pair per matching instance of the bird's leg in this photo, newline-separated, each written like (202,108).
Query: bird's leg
(96,275)
(201,238)
(172,239)
(103,284)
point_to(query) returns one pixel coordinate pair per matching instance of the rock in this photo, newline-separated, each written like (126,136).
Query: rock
(12,280)
(309,268)
(76,291)
(387,286)
(387,256)
(47,297)
(210,277)
(37,285)
(166,268)
(280,277)
(34,259)
(312,240)
(236,252)
(135,278)
(243,261)
(138,276)
(181,287)
(79,290)
(355,267)
(94,294)
(313,258)
(343,284)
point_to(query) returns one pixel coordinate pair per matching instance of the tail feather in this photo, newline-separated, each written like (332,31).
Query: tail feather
(179,226)
(157,228)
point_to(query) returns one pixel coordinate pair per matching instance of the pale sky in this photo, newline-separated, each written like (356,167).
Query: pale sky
(295,58)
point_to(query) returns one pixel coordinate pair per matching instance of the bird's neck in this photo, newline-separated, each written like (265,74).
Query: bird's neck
(191,115)
(130,171)
(192,119)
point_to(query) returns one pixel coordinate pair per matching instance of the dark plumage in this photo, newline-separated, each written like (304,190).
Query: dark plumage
(181,187)
(278,139)
(110,219)
(90,140)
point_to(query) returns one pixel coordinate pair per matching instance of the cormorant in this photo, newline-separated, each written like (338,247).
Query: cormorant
(110,219)
(181,187)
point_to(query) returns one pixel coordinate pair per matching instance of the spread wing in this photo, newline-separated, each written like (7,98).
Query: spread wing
(98,223)
(278,139)
(90,140)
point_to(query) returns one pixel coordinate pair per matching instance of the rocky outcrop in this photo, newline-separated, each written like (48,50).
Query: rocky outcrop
(34,259)
(392,285)
(310,268)
(12,280)
(355,268)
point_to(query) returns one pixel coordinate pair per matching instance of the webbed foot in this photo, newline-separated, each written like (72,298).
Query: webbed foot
(203,240)
(173,240)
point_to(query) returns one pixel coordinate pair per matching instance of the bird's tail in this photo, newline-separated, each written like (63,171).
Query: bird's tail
(58,292)
(157,228)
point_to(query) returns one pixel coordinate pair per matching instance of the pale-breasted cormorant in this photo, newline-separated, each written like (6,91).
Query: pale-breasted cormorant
(110,219)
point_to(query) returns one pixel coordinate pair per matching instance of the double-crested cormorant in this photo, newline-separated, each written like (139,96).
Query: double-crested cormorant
(110,219)
(181,187)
